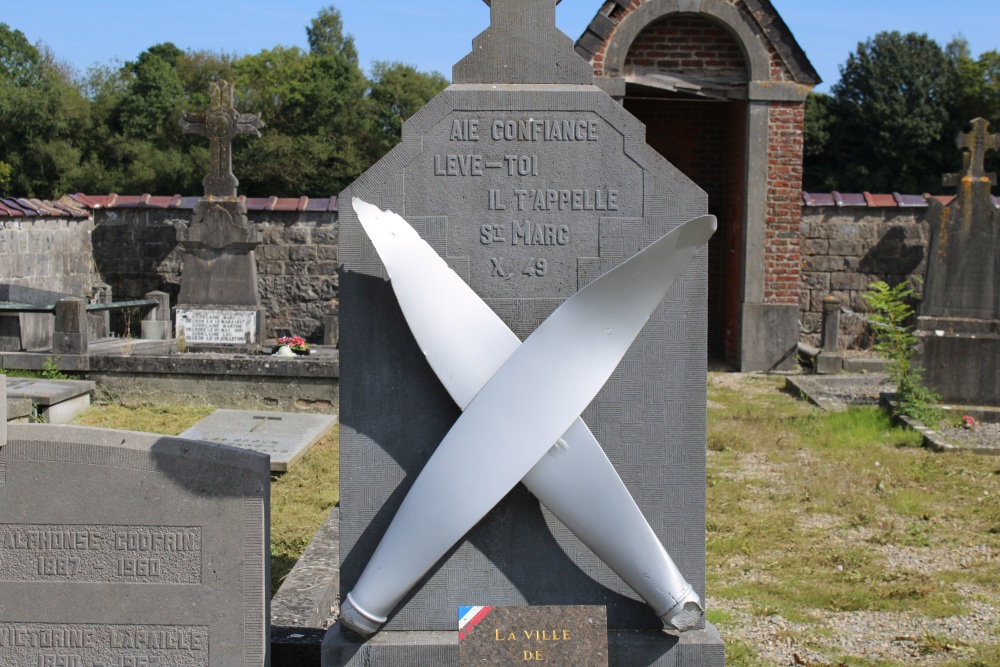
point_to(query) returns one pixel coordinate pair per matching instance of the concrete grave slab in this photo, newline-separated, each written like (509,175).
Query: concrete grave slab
(285,436)
(19,410)
(58,401)
(122,548)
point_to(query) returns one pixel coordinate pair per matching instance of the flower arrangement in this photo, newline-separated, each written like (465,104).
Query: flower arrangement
(296,344)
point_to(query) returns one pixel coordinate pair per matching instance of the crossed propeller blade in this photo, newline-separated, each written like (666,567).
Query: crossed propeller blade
(556,372)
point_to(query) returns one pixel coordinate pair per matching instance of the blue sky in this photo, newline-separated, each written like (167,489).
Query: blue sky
(434,34)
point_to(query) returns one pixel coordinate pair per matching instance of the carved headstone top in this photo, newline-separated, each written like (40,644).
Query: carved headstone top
(963,261)
(523,45)
(974,146)
(221,123)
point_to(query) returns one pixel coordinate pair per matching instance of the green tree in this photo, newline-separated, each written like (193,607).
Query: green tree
(398,91)
(154,95)
(20,62)
(819,173)
(326,37)
(136,144)
(42,118)
(894,115)
(319,120)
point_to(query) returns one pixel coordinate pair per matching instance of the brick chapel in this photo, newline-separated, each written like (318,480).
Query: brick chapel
(721,88)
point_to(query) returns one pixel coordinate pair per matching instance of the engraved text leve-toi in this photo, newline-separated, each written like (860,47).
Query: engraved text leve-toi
(537,209)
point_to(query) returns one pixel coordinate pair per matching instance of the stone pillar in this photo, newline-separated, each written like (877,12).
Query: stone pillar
(70,336)
(3,410)
(156,323)
(828,360)
(331,324)
(10,332)
(100,322)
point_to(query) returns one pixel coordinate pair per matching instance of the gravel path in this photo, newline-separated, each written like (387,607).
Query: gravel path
(870,635)
(911,639)
(984,435)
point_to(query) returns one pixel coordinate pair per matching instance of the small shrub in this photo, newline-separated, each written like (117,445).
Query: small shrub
(891,317)
(51,370)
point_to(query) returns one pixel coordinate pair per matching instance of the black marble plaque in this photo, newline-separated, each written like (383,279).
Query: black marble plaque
(574,636)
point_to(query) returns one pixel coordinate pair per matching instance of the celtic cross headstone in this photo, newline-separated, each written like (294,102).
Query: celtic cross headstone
(960,311)
(218,301)
(221,123)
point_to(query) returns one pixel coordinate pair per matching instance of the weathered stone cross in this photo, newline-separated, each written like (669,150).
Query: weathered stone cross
(974,146)
(221,123)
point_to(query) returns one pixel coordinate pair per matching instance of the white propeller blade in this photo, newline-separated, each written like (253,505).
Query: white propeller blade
(467,344)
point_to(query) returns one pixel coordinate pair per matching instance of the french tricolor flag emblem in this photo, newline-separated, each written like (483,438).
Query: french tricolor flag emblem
(469,617)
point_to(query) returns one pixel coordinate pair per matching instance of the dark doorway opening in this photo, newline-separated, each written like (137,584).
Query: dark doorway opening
(706,139)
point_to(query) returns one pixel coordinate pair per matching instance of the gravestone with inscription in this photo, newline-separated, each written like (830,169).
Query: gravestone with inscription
(218,301)
(530,182)
(284,436)
(131,550)
(958,330)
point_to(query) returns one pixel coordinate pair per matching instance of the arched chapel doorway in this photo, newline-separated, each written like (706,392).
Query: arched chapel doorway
(679,72)
(721,86)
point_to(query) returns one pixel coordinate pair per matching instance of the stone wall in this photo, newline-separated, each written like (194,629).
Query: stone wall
(136,251)
(52,254)
(844,249)
(45,253)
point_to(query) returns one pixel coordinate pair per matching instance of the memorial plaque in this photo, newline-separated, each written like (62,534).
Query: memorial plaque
(131,550)
(557,636)
(217,325)
(284,436)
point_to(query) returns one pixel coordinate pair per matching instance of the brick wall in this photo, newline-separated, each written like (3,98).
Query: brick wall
(844,249)
(687,43)
(783,204)
(778,70)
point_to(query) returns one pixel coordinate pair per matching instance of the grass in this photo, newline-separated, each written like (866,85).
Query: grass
(803,508)
(300,499)
(802,504)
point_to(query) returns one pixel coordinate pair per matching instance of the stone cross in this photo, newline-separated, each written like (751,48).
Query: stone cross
(221,123)
(974,146)
(522,45)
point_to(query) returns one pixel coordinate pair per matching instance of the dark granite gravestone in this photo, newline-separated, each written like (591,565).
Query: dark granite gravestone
(530,181)
(130,549)
(218,301)
(959,325)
